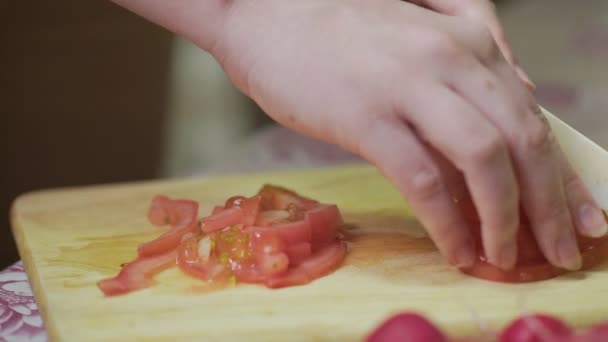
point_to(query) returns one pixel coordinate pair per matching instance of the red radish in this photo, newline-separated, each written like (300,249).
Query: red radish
(596,333)
(410,327)
(536,328)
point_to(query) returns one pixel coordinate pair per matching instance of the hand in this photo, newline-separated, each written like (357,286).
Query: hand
(483,11)
(430,100)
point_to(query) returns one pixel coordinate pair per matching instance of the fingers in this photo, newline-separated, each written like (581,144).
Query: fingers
(403,159)
(588,217)
(501,97)
(484,12)
(476,148)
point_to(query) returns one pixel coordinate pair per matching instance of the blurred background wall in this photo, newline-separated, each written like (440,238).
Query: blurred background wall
(93,94)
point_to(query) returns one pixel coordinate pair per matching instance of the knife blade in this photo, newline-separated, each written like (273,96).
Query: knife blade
(588,158)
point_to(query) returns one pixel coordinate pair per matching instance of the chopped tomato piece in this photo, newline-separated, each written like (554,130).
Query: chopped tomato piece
(221,220)
(272,263)
(192,263)
(298,253)
(137,274)
(249,207)
(324,222)
(217,209)
(319,264)
(180,214)
(276,197)
(276,237)
(265,240)
(289,233)
(271,217)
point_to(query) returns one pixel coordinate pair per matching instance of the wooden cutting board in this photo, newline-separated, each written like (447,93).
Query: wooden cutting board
(71,238)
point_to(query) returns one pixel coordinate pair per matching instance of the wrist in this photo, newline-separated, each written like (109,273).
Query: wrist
(200,21)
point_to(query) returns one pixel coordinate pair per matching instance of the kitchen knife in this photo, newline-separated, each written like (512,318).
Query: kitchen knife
(587,158)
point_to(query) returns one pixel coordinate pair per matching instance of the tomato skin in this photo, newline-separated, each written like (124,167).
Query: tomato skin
(272,217)
(225,218)
(249,207)
(277,197)
(298,253)
(317,265)
(324,221)
(137,274)
(180,214)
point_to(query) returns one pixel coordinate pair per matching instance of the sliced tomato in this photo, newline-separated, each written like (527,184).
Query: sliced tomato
(206,267)
(324,222)
(271,217)
(137,274)
(276,197)
(180,214)
(265,240)
(531,263)
(319,264)
(221,220)
(298,253)
(272,263)
(275,237)
(249,207)
(217,209)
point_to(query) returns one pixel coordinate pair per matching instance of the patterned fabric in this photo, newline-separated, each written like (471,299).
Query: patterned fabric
(19,316)
(563,44)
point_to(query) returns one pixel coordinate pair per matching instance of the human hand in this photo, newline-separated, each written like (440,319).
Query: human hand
(483,11)
(430,99)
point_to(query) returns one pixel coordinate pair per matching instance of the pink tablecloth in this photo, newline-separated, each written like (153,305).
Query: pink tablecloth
(562,43)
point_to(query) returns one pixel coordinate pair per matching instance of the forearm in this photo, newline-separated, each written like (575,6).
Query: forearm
(198,20)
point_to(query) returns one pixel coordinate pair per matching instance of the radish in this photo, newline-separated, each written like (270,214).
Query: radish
(536,328)
(596,333)
(410,327)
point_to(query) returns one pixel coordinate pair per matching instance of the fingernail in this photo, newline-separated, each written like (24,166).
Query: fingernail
(592,221)
(567,253)
(465,255)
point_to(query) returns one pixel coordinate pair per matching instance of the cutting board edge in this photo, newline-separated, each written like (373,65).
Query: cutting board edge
(33,276)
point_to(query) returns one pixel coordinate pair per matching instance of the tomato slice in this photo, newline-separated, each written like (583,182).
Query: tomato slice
(297,253)
(322,263)
(249,207)
(192,263)
(276,197)
(271,217)
(137,274)
(180,214)
(324,222)
(276,237)
(531,263)
(223,219)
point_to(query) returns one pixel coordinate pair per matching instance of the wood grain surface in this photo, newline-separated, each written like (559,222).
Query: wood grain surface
(71,238)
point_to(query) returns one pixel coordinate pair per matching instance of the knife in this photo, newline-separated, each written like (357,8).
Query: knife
(588,158)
